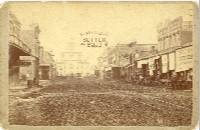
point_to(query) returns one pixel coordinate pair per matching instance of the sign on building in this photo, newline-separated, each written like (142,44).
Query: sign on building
(164,60)
(172,61)
(94,39)
(26,58)
(22,63)
(184,59)
(151,66)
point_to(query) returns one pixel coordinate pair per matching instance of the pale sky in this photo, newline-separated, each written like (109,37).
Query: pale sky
(61,23)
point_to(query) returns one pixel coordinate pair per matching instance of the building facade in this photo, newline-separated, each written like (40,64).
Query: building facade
(47,68)
(30,36)
(176,33)
(21,46)
(72,63)
(174,58)
(172,38)
(16,46)
(118,62)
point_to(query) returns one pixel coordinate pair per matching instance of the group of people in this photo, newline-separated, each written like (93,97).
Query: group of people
(176,81)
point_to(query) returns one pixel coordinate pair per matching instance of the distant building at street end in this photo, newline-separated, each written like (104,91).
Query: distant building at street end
(72,63)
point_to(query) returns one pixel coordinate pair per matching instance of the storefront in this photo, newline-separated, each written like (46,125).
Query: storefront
(152,65)
(130,71)
(116,72)
(172,63)
(108,73)
(164,70)
(184,63)
(44,72)
(142,66)
(158,67)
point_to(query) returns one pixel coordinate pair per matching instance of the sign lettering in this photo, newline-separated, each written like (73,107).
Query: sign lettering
(183,59)
(94,39)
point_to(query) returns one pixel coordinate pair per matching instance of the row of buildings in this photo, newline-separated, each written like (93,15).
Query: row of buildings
(170,57)
(28,61)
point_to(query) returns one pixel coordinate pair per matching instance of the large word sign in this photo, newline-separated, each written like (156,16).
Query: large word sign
(94,39)
(184,59)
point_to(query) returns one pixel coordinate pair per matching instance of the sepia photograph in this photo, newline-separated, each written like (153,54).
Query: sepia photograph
(99,64)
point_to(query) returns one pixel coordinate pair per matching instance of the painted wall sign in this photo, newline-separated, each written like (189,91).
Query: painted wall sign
(164,59)
(26,58)
(184,59)
(93,32)
(172,61)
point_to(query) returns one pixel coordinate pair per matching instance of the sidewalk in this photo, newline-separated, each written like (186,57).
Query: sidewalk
(17,87)
(23,91)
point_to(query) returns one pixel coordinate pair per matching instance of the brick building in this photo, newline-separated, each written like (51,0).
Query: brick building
(46,65)
(174,57)
(13,45)
(30,35)
(176,33)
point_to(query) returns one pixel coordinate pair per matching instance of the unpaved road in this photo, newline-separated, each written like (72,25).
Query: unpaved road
(89,102)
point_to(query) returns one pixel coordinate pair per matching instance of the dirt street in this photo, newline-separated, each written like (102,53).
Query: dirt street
(90,102)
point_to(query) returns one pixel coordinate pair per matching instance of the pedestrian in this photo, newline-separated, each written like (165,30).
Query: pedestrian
(132,78)
(125,77)
(29,81)
(174,81)
(122,75)
(141,79)
(137,80)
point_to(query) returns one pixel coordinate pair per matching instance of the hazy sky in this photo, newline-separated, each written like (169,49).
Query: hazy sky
(62,23)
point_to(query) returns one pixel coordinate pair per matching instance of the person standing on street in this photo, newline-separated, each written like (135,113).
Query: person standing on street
(132,78)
